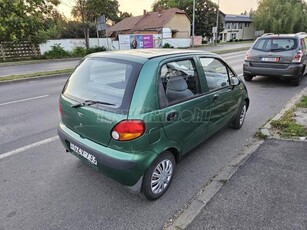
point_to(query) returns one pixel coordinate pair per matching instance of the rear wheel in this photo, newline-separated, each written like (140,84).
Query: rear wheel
(159,176)
(239,120)
(297,80)
(248,77)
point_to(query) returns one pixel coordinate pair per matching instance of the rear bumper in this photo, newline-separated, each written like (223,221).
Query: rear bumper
(291,72)
(122,167)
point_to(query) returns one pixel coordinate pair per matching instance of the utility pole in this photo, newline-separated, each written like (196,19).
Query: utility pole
(217,20)
(193,24)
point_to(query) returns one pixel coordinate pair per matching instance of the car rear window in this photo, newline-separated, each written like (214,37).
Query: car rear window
(275,44)
(105,80)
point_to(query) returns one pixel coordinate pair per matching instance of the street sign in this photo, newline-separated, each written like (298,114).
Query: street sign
(101,23)
(214,30)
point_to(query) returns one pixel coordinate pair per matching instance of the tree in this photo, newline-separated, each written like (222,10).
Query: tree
(205,13)
(26,20)
(275,16)
(88,10)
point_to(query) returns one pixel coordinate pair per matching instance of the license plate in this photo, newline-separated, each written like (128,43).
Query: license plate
(83,153)
(270,59)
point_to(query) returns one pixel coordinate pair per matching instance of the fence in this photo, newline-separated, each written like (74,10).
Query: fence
(13,51)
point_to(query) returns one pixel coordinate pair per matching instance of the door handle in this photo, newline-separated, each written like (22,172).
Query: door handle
(171,116)
(215,97)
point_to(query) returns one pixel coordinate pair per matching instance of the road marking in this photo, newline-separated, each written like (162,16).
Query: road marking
(22,100)
(27,147)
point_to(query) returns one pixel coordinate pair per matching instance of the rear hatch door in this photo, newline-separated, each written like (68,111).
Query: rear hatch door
(97,96)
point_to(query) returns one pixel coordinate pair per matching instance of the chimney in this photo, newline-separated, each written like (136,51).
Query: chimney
(144,12)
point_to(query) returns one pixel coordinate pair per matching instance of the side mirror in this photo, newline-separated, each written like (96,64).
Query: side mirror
(234,81)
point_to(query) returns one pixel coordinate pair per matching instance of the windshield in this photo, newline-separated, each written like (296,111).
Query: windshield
(104,80)
(275,44)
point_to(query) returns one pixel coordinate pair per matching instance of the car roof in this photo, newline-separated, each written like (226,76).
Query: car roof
(142,55)
(301,34)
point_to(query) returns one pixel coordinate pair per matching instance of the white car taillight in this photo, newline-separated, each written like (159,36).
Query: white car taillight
(248,55)
(298,57)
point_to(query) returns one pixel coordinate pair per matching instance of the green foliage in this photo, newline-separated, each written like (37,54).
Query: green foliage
(88,11)
(287,126)
(56,52)
(74,29)
(303,102)
(79,51)
(205,13)
(26,20)
(167,45)
(276,16)
(96,49)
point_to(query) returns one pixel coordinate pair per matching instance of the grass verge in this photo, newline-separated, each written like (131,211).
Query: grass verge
(287,127)
(34,75)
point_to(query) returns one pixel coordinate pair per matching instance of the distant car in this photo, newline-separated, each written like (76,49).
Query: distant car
(283,56)
(132,115)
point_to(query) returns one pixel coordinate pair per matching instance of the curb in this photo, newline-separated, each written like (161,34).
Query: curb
(34,78)
(184,217)
(265,130)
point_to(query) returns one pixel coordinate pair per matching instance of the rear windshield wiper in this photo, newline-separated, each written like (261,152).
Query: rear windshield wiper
(91,102)
(277,49)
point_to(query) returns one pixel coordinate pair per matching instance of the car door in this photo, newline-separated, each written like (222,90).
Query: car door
(224,98)
(183,106)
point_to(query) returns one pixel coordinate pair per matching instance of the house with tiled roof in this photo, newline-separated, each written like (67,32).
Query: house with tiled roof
(173,20)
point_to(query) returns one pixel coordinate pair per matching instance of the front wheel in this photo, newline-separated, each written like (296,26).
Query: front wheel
(159,176)
(239,120)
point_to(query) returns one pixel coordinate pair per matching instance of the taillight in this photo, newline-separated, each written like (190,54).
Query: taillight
(128,130)
(248,55)
(298,57)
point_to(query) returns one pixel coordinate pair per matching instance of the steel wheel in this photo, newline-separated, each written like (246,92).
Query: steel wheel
(161,176)
(242,115)
(239,120)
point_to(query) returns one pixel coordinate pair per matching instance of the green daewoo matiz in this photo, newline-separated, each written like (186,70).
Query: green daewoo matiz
(133,114)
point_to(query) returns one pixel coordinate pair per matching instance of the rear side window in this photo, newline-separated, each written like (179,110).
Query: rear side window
(180,81)
(105,80)
(275,44)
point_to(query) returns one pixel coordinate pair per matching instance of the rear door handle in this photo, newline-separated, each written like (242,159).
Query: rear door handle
(215,97)
(172,116)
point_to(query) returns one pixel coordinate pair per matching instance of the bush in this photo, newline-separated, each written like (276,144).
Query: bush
(236,40)
(205,42)
(79,52)
(56,52)
(96,49)
(167,45)
(231,40)
(218,41)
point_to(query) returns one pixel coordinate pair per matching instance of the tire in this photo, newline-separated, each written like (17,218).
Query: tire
(297,81)
(161,170)
(239,120)
(248,77)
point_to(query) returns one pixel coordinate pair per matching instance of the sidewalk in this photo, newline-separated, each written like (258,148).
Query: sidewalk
(268,192)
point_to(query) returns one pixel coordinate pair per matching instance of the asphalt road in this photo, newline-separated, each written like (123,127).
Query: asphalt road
(42,187)
(38,67)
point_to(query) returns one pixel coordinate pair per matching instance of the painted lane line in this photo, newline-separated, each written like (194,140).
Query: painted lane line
(27,147)
(22,100)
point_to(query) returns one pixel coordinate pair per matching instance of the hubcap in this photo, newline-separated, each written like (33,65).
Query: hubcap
(242,115)
(161,176)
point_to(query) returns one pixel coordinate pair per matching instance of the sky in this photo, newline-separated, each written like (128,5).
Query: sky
(136,7)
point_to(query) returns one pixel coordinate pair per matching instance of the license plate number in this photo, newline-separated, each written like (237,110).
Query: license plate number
(83,153)
(269,59)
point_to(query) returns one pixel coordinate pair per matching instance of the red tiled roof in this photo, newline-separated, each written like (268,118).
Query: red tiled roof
(152,20)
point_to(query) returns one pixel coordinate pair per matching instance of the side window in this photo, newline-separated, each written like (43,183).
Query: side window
(216,73)
(303,43)
(180,80)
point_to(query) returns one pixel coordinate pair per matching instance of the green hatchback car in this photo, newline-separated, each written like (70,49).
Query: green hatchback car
(133,114)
